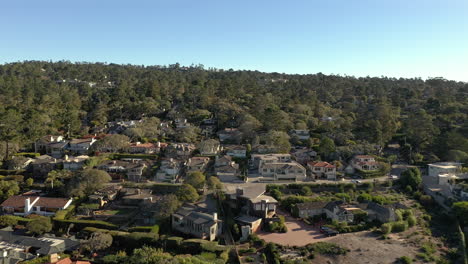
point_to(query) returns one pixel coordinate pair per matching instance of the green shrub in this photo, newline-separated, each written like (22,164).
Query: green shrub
(249,259)
(208,256)
(399,226)
(412,220)
(27,154)
(326,248)
(405,260)
(8,220)
(64,214)
(80,224)
(148,229)
(386,228)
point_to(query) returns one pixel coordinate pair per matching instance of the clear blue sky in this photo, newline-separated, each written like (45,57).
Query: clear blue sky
(397,38)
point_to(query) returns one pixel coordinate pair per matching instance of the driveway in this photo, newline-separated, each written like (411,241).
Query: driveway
(299,233)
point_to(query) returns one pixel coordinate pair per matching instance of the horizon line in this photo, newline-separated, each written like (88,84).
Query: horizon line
(208,68)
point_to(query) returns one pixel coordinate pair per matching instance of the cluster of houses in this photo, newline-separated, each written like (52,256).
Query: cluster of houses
(220,154)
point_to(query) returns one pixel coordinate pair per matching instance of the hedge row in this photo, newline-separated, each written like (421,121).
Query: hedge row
(64,214)
(28,154)
(147,229)
(80,224)
(128,240)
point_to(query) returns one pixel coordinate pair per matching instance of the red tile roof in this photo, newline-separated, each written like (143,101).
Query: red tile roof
(323,164)
(17,201)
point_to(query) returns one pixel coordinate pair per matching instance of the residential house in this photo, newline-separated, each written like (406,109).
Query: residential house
(383,213)
(257,160)
(276,167)
(263,149)
(338,211)
(54,259)
(278,171)
(197,164)
(254,223)
(230,135)
(226,169)
(322,169)
(138,197)
(74,163)
(310,209)
(57,149)
(435,169)
(445,183)
(23,205)
(179,150)
(82,145)
(105,195)
(133,169)
(364,163)
(236,151)
(181,123)
(303,155)
(169,170)
(208,127)
(209,147)
(251,200)
(146,148)
(197,222)
(44,164)
(44,143)
(302,134)
(17,248)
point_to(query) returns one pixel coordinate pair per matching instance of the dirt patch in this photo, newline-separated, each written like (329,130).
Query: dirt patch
(367,247)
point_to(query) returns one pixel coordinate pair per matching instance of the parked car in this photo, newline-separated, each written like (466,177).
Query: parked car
(323,229)
(331,232)
(356,181)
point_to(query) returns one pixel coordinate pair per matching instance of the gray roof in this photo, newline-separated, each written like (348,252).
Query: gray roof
(247,219)
(45,245)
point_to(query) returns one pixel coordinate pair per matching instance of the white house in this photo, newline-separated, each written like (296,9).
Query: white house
(26,205)
(322,169)
(364,163)
(81,146)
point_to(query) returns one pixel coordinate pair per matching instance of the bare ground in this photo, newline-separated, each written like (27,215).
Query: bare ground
(367,247)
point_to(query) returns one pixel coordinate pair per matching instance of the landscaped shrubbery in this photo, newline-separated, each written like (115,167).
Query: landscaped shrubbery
(80,224)
(148,229)
(278,226)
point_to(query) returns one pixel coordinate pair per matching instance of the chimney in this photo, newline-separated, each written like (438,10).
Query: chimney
(159,144)
(138,143)
(53,258)
(66,157)
(114,162)
(27,205)
(239,191)
(215,216)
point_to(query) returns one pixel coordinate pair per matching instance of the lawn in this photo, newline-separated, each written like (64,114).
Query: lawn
(118,212)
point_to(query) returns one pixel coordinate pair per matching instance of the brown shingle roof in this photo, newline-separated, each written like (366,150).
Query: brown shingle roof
(18,201)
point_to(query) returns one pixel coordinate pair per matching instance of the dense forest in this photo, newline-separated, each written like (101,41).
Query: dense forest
(427,117)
